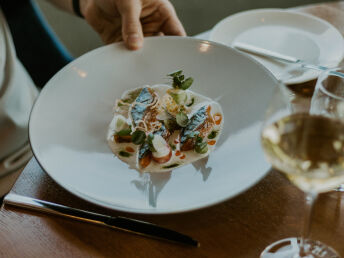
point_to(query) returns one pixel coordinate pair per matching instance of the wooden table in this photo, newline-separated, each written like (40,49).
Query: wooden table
(241,227)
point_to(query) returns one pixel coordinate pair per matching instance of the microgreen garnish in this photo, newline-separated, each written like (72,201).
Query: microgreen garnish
(138,137)
(124,132)
(124,154)
(182,119)
(178,81)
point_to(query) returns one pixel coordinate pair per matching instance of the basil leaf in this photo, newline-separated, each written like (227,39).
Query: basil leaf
(182,119)
(138,137)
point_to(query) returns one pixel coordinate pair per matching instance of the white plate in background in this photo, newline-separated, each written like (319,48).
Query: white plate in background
(70,119)
(291,33)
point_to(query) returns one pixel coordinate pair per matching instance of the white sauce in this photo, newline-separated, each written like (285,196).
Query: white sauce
(190,156)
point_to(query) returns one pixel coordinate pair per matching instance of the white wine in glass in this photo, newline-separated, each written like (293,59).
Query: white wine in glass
(328,97)
(309,150)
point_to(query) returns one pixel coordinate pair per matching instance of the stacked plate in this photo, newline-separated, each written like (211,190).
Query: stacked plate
(289,33)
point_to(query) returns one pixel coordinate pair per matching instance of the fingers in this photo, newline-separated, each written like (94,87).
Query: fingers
(172,25)
(130,11)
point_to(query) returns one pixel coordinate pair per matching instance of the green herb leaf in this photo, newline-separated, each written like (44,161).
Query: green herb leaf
(212,135)
(187,83)
(171,124)
(182,119)
(174,74)
(173,147)
(124,154)
(171,166)
(176,83)
(199,140)
(150,142)
(191,103)
(201,148)
(138,137)
(124,132)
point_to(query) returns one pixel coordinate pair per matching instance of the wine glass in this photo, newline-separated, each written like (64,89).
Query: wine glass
(309,149)
(328,97)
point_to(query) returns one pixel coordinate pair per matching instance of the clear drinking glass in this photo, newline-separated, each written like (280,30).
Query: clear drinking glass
(308,149)
(328,97)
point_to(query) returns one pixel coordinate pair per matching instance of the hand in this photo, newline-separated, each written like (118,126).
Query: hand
(131,20)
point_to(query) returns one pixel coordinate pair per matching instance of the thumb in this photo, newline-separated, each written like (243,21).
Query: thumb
(130,11)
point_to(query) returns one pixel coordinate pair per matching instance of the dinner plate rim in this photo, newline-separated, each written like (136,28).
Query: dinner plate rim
(110,206)
(213,37)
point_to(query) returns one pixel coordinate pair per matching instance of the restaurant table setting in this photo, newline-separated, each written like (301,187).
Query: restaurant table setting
(76,199)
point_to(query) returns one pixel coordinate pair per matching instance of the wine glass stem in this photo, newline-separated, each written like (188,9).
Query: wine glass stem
(310,200)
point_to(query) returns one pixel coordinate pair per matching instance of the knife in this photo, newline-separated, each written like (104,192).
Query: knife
(122,223)
(251,49)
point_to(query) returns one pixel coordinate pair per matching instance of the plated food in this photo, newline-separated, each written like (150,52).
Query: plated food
(161,127)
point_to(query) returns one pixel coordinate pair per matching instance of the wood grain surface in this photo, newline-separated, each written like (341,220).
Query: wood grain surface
(240,227)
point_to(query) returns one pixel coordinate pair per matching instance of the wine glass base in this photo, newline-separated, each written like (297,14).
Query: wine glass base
(290,248)
(340,188)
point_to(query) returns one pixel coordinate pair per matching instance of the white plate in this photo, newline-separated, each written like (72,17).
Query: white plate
(291,33)
(69,123)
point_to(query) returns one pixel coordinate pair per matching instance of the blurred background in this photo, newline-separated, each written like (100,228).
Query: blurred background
(196,15)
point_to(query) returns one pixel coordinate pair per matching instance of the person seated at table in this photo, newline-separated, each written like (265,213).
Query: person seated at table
(114,20)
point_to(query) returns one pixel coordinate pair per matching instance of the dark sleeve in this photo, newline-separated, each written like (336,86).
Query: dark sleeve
(36,45)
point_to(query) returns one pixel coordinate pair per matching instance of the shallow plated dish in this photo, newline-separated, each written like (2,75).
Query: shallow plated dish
(300,35)
(70,120)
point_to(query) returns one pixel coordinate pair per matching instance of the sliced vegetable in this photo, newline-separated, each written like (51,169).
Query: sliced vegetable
(163,151)
(201,148)
(138,137)
(179,96)
(129,149)
(182,119)
(145,160)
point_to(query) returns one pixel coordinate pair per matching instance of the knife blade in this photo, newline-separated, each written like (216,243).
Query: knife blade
(130,225)
(255,50)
